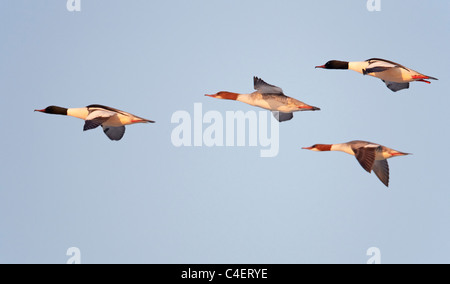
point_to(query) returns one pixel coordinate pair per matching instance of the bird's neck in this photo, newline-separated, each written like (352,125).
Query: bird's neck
(342,148)
(78,112)
(358,66)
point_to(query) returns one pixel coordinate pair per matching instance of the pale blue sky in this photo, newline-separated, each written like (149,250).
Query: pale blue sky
(142,200)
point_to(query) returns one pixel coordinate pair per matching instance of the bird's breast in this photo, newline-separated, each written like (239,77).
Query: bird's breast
(397,75)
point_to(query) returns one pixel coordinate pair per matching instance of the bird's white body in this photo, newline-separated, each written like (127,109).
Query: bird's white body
(112,120)
(116,118)
(397,75)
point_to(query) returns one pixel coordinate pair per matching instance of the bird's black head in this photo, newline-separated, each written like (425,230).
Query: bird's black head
(335,64)
(53,110)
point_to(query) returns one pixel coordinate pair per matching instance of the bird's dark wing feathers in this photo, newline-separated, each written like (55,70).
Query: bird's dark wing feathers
(263,87)
(94,123)
(381,169)
(366,157)
(395,87)
(114,133)
(282,116)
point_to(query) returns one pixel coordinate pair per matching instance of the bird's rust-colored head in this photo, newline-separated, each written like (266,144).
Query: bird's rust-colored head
(224,96)
(319,147)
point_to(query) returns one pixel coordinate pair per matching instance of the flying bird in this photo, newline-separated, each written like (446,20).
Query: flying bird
(112,120)
(371,156)
(268,97)
(396,77)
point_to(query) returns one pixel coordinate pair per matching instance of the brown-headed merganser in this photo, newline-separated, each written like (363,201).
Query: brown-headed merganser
(268,97)
(371,156)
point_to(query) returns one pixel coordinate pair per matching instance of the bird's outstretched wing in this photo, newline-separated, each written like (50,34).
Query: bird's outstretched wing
(366,156)
(282,116)
(380,65)
(381,169)
(97,107)
(114,133)
(265,88)
(395,87)
(97,118)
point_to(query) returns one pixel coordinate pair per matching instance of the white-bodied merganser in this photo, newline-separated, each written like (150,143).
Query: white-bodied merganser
(371,156)
(268,97)
(396,77)
(112,120)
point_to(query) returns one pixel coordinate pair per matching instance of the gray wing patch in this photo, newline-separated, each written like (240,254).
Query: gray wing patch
(94,123)
(395,87)
(365,157)
(381,169)
(265,88)
(282,116)
(114,133)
